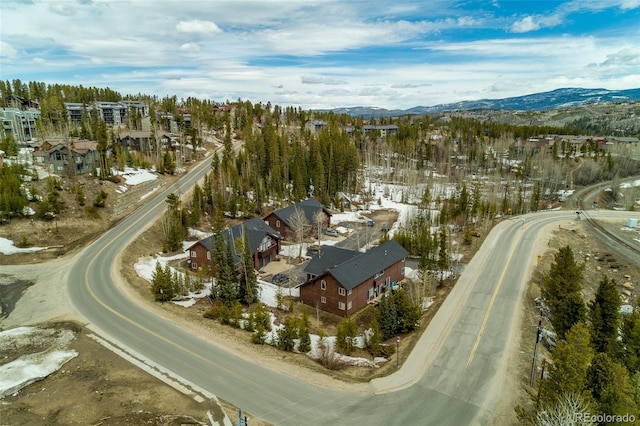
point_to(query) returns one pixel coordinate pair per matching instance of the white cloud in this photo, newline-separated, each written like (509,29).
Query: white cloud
(316,79)
(197,26)
(525,25)
(6,50)
(190,47)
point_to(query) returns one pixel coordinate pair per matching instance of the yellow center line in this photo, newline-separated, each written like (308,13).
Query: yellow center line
(491,302)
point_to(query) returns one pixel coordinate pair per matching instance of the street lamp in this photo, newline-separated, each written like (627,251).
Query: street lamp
(398,351)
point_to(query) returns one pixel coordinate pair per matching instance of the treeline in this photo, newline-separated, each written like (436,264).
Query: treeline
(40,92)
(595,365)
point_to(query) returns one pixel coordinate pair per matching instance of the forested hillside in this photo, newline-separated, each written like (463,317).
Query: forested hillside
(460,171)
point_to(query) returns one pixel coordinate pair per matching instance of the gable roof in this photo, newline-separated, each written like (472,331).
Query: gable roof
(310,207)
(256,229)
(327,258)
(358,269)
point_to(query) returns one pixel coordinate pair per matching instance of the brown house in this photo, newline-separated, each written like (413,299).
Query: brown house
(282,220)
(72,156)
(343,281)
(264,243)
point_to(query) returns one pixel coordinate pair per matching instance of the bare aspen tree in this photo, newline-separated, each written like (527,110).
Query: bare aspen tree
(299,222)
(318,220)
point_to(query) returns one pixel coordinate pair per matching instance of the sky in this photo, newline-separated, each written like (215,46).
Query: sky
(324,54)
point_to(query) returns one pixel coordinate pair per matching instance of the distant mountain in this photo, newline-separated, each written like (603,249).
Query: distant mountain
(559,98)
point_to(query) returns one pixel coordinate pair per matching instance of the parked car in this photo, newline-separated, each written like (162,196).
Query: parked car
(370,222)
(312,250)
(279,279)
(385,228)
(331,232)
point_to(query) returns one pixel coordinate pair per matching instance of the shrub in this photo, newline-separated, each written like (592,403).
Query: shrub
(24,243)
(213,312)
(91,212)
(386,350)
(100,199)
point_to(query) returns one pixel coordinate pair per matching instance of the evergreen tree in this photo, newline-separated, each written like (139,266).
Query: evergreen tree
(346,335)
(561,291)
(9,145)
(287,334)
(304,344)
(387,318)
(12,196)
(373,343)
(611,387)
(248,289)
(443,253)
(408,313)
(629,353)
(570,310)
(161,283)
(604,312)
(173,226)
(568,371)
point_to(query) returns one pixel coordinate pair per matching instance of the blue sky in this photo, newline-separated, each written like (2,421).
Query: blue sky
(323,54)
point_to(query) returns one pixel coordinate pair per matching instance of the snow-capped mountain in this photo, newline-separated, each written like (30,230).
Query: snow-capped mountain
(559,98)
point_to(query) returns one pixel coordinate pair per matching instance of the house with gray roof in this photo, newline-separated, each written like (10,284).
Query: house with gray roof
(263,240)
(343,281)
(282,220)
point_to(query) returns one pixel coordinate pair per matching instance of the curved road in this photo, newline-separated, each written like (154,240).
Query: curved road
(454,376)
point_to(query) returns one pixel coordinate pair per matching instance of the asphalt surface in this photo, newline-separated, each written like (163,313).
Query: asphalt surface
(454,376)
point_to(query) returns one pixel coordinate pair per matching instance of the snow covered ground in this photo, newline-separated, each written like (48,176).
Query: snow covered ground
(133,176)
(8,247)
(32,367)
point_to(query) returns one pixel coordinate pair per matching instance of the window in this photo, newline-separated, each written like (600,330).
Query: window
(349,292)
(323,285)
(349,305)
(194,265)
(277,224)
(341,291)
(341,306)
(323,299)
(209,255)
(402,271)
(193,253)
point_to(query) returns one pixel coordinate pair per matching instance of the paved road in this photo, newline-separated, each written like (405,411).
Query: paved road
(453,377)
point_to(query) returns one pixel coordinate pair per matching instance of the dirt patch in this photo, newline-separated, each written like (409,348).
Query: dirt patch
(73,228)
(99,387)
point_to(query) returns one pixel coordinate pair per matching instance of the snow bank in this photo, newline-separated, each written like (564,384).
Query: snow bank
(133,176)
(30,368)
(8,247)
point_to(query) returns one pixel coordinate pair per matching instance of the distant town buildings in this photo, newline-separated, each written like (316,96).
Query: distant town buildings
(113,113)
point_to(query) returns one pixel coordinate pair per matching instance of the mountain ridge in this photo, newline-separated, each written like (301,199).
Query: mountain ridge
(551,100)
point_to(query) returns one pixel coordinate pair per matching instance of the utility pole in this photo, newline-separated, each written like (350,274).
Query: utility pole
(535,350)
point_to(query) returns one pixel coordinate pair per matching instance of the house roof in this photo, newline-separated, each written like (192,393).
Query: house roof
(327,258)
(355,270)
(256,229)
(310,207)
